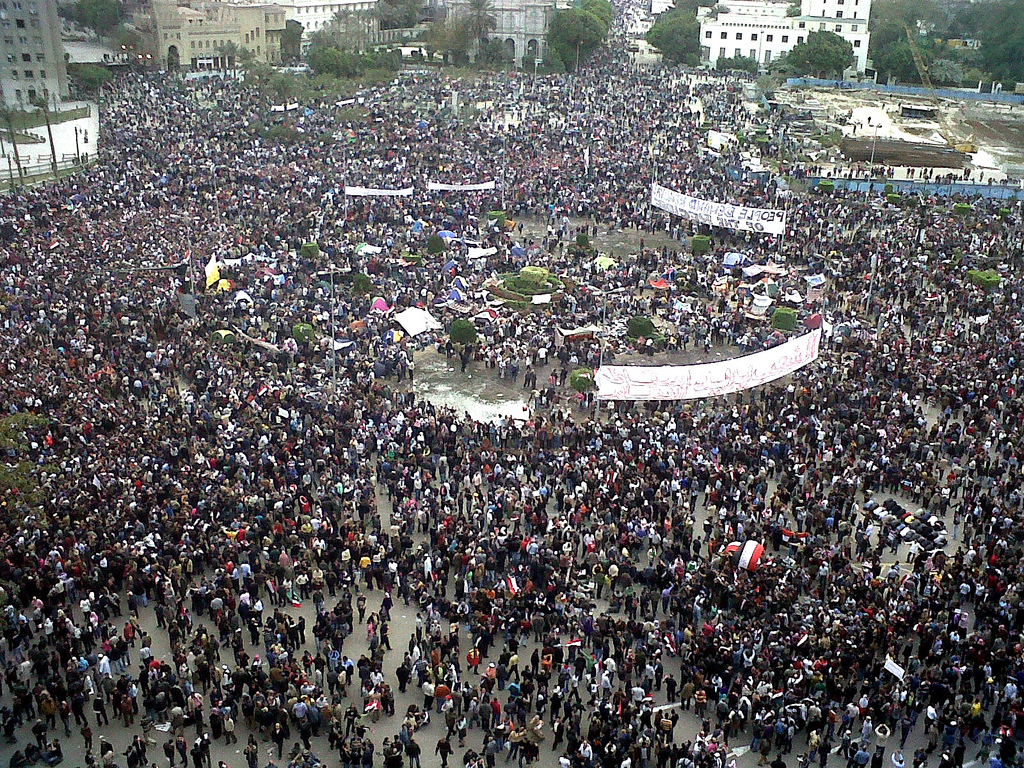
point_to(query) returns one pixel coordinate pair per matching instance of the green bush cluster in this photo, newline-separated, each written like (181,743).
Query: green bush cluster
(987,279)
(784,319)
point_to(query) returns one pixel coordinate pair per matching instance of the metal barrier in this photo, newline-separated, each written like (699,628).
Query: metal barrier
(905,186)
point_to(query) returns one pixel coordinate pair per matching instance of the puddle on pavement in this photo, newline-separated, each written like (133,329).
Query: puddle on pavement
(477,392)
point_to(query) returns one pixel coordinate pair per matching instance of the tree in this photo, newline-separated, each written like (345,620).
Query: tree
(88,78)
(449,38)
(582,380)
(41,103)
(600,8)
(7,115)
(891,53)
(823,53)
(676,34)
(741,63)
(101,16)
(347,31)
(480,20)
(1002,40)
(462,332)
(575,34)
(228,51)
(331,61)
(291,40)
(398,14)
(494,54)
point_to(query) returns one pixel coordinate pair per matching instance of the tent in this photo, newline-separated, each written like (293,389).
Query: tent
(518,251)
(460,283)
(450,265)
(563,335)
(447,234)
(813,322)
(661,284)
(604,262)
(760,305)
(733,259)
(456,295)
(480,253)
(415,321)
(379,305)
(223,337)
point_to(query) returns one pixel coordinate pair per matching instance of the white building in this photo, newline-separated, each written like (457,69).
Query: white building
(314,15)
(763,30)
(31,40)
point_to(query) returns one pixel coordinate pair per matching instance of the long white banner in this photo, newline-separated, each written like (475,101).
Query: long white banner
(368,192)
(687,382)
(434,186)
(718,214)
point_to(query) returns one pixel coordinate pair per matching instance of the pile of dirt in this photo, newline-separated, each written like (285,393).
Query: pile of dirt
(902,153)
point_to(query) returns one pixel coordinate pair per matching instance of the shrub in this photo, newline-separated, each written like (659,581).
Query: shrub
(414,258)
(888,189)
(361,284)
(894,199)
(309,250)
(640,326)
(534,275)
(961,209)
(303,333)
(700,244)
(462,332)
(435,244)
(784,319)
(827,185)
(498,216)
(582,240)
(987,280)
(582,380)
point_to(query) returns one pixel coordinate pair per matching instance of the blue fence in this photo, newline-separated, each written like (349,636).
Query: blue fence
(908,90)
(965,189)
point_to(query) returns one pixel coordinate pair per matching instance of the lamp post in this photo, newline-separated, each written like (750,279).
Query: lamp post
(78,151)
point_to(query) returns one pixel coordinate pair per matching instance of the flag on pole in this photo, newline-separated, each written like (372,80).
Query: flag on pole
(512,585)
(212,272)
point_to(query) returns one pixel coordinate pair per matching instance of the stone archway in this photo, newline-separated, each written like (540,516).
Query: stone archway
(173,57)
(532,50)
(510,49)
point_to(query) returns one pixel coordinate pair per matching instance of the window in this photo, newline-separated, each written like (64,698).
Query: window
(839,14)
(29,74)
(739,35)
(839,28)
(721,53)
(799,39)
(736,54)
(854,28)
(40,57)
(802,24)
(753,36)
(19,23)
(725,35)
(26,57)
(14,74)
(785,38)
(42,73)
(767,57)
(856,43)
(769,38)
(706,34)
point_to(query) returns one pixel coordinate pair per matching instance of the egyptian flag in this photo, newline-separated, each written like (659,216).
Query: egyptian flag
(512,585)
(748,556)
(788,535)
(296,603)
(732,549)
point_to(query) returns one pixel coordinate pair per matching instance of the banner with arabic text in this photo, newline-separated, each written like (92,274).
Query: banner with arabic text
(723,215)
(687,382)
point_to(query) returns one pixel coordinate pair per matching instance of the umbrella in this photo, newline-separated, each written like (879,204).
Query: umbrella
(604,262)
(659,284)
(223,337)
(518,250)
(813,322)
(447,234)
(379,305)
(358,325)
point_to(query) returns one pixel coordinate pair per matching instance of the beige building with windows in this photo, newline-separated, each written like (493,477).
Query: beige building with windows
(521,25)
(208,35)
(314,15)
(31,53)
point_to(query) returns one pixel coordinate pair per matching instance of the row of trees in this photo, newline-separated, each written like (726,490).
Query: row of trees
(575,33)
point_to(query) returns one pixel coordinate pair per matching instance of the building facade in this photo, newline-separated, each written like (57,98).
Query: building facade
(763,29)
(209,35)
(31,53)
(314,15)
(521,25)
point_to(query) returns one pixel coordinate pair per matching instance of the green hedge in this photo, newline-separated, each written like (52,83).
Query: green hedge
(435,244)
(961,209)
(462,331)
(987,280)
(827,186)
(309,250)
(894,199)
(303,333)
(700,244)
(784,319)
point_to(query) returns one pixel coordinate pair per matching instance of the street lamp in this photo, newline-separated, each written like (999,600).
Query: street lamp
(78,151)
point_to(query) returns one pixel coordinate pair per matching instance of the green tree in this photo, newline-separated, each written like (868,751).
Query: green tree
(1002,40)
(600,8)
(891,53)
(347,31)
(676,34)
(823,53)
(291,40)
(228,51)
(88,78)
(330,61)
(101,16)
(494,54)
(462,331)
(41,104)
(575,34)
(480,20)
(398,14)
(450,38)
(741,63)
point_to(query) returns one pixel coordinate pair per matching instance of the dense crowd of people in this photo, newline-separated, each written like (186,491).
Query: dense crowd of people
(572,600)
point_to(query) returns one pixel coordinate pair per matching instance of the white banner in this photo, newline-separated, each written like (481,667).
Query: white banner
(368,192)
(686,382)
(718,214)
(434,186)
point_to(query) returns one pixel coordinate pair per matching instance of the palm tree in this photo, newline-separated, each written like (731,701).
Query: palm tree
(40,102)
(228,52)
(481,20)
(8,116)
